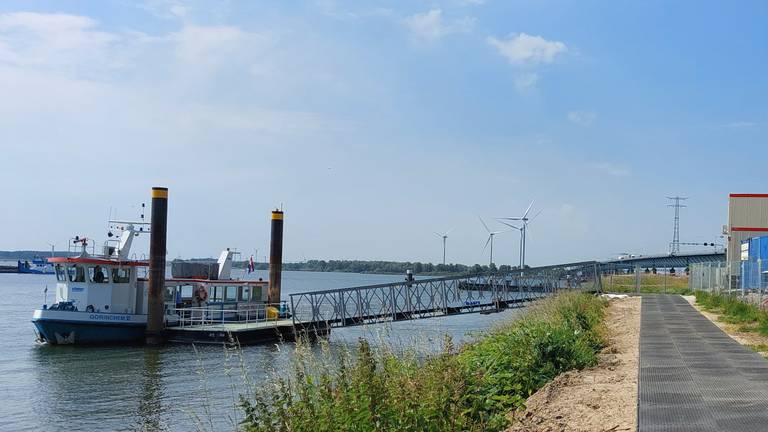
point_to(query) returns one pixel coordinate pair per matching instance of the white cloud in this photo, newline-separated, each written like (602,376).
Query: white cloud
(52,40)
(612,169)
(526,50)
(431,26)
(582,118)
(207,44)
(526,53)
(145,77)
(470,2)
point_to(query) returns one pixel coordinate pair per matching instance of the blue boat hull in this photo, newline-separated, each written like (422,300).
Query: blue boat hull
(67,332)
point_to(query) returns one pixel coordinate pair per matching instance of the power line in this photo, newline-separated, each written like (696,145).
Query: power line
(674,247)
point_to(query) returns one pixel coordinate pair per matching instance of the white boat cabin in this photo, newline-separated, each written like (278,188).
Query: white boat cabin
(111,286)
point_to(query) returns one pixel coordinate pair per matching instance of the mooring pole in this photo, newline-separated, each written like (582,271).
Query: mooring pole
(276,258)
(157,248)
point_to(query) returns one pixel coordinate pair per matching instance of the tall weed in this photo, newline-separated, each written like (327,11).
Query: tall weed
(471,389)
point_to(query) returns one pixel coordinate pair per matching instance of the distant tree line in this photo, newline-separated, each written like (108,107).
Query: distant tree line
(346,266)
(380,267)
(29,254)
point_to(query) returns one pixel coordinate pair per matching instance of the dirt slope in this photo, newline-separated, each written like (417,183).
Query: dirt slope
(602,398)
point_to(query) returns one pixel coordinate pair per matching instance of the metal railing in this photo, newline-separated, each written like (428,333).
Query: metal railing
(426,298)
(209,315)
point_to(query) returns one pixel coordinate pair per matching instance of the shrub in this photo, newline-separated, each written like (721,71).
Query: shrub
(469,390)
(733,310)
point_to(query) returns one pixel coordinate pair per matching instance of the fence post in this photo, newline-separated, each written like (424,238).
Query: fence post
(598,279)
(610,280)
(760,280)
(637,278)
(665,280)
(393,301)
(742,283)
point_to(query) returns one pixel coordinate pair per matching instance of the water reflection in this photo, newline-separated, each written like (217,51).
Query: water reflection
(83,387)
(150,411)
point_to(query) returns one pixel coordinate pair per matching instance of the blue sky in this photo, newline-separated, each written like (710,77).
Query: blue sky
(376,123)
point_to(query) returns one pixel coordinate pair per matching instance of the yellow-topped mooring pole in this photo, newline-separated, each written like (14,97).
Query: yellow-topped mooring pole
(275,257)
(157,248)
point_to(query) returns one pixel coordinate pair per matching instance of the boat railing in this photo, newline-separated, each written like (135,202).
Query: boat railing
(203,316)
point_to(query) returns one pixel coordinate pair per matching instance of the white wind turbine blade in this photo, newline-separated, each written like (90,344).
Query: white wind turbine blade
(486,226)
(527,210)
(535,216)
(438,234)
(509,225)
(486,245)
(449,231)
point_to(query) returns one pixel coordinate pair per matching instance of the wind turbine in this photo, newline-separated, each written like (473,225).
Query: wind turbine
(523,228)
(490,239)
(444,236)
(520,248)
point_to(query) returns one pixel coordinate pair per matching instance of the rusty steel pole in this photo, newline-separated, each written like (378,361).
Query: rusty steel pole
(276,258)
(157,248)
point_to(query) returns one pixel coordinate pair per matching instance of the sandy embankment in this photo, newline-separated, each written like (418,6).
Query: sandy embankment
(602,398)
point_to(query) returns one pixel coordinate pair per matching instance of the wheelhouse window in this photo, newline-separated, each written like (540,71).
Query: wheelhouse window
(256,294)
(121,275)
(218,293)
(231,293)
(61,274)
(245,294)
(76,273)
(98,274)
(186,291)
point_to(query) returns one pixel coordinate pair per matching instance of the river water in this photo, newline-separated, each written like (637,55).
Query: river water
(177,387)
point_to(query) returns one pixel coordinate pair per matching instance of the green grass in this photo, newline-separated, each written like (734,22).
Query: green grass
(733,310)
(759,347)
(471,389)
(649,283)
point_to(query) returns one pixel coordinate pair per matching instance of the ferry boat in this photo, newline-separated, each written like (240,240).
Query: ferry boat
(101,299)
(37,266)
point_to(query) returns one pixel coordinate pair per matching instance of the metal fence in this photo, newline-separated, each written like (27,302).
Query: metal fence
(745,279)
(712,277)
(416,299)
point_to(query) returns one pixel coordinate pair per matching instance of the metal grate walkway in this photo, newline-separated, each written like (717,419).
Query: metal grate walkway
(694,377)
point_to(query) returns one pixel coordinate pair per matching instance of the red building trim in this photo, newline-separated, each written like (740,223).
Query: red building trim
(749,229)
(96,261)
(737,195)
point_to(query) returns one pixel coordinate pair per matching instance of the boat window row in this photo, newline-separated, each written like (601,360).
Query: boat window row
(94,274)
(215,294)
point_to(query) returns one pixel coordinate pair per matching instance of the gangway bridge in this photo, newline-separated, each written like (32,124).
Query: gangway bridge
(314,313)
(435,297)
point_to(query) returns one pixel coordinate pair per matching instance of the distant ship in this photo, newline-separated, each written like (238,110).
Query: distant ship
(37,266)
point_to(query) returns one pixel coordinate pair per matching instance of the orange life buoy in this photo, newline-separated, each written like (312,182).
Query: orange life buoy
(202,294)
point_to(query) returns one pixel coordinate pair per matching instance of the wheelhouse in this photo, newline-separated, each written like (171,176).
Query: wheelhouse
(98,285)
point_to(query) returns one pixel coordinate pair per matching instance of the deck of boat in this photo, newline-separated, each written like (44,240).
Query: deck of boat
(240,333)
